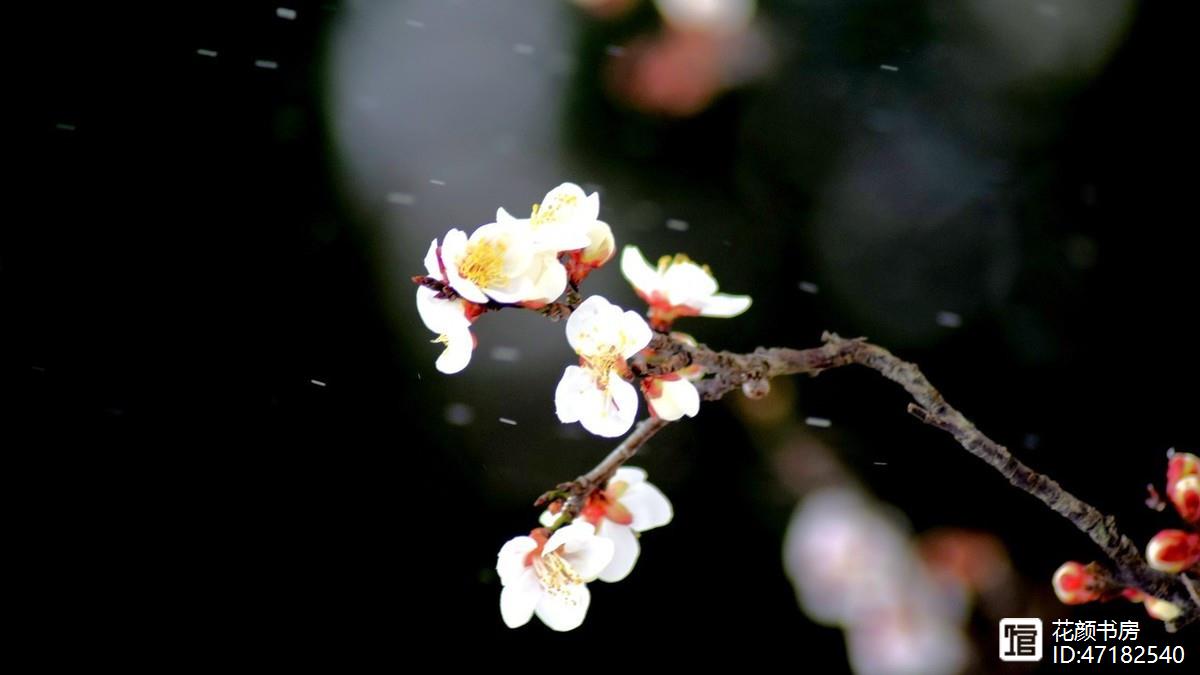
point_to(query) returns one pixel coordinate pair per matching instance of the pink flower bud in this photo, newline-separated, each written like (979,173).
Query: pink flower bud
(1185,495)
(1162,610)
(1074,584)
(1173,551)
(1181,464)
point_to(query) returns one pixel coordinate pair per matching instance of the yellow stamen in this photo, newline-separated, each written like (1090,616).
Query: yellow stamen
(600,364)
(441,339)
(549,212)
(483,263)
(555,573)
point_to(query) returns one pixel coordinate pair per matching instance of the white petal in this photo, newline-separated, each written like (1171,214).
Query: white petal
(601,244)
(679,398)
(686,283)
(570,539)
(725,306)
(510,561)
(635,333)
(439,314)
(576,392)
(629,475)
(591,326)
(591,558)
(617,411)
(639,272)
(647,504)
(431,262)
(564,611)
(457,353)
(503,216)
(552,280)
(519,599)
(625,550)
(547,519)
(565,203)
(591,207)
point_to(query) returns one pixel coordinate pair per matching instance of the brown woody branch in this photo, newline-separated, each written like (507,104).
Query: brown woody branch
(728,371)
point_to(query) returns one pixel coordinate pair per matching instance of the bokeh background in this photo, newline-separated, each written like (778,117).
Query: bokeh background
(224,428)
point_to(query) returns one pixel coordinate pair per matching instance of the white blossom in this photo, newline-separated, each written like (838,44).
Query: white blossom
(626,507)
(595,392)
(497,262)
(548,576)
(447,318)
(679,287)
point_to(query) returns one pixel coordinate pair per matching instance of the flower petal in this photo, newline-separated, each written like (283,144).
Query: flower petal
(635,333)
(547,519)
(591,557)
(551,281)
(625,550)
(457,354)
(649,506)
(432,268)
(678,398)
(616,412)
(566,609)
(724,306)
(519,599)
(629,475)
(510,561)
(575,394)
(638,272)
(570,539)
(686,283)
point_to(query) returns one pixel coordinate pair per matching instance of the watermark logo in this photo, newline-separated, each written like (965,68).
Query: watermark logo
(1020,639)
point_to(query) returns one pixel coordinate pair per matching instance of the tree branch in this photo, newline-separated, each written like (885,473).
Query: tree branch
(727,371)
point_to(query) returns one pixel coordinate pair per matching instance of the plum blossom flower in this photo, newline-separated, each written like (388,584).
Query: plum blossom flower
(1162,609)
(678,287)
(498,262)
(567,222)
(595,393)
(671,396)
(626,507)
(449,318)
(547,574)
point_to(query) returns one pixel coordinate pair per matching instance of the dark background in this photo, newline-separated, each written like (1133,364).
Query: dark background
(179,266)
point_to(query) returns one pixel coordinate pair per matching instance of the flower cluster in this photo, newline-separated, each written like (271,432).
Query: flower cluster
(1174,551)
(530,263)
(510,262)
(546,573)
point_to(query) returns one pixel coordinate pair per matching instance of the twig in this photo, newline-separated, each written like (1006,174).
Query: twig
(728,371)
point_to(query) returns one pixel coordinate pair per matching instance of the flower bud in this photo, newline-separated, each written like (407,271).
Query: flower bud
(1173,551)
(1181,464)
(1162,610)
(1185,495)
(1074,584)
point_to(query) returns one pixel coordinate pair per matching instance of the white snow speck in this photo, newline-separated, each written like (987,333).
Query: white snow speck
(269,65)
(809,287)
(64,127)
(402,198)
(948,319)
(318,383)
(818,422)
(614,50)
(677,225)
(435,181)
(285,13)
(523,49)
(460,414)
(879,463)
(506,354)
(890,69)
(207,52)
(505,420)
(415,24)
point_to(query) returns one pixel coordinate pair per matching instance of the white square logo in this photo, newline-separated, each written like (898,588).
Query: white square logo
(1020,639)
